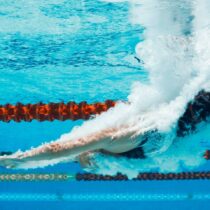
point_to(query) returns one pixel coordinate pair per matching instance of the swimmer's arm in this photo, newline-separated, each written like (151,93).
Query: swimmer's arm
(66,149)
(101,140)
(59,151)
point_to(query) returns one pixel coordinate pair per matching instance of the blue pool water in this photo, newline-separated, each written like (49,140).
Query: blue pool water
(77,50)
(69,51)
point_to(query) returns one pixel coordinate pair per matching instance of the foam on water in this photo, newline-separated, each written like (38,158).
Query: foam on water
(176,52)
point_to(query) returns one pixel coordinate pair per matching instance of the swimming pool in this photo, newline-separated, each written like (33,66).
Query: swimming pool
(75,51)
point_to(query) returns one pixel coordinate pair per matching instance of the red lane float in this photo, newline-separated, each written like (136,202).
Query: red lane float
(52,111)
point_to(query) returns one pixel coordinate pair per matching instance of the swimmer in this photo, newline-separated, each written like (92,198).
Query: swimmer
(71,150)
(107,141)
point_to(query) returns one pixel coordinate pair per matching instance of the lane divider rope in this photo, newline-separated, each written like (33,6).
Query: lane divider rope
(52,111)
(30,177)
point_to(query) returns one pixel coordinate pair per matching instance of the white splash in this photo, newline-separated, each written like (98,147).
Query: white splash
(176,52)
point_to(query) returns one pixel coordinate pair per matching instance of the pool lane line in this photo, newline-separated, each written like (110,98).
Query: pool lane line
(104,197)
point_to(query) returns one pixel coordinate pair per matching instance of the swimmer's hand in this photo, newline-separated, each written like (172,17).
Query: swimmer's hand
(86,160)
(10,162)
